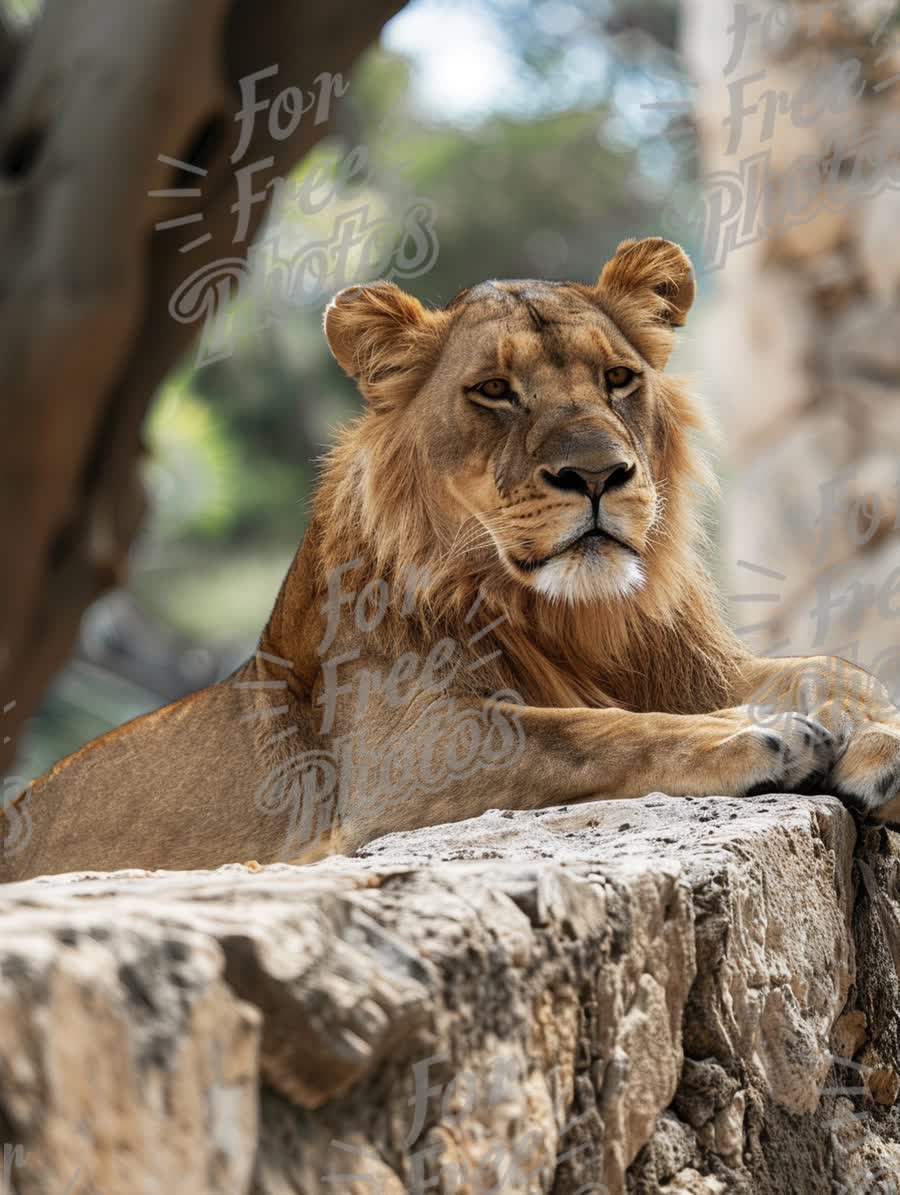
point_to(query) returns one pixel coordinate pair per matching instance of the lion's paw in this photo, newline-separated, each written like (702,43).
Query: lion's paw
(787,753)
(866,775)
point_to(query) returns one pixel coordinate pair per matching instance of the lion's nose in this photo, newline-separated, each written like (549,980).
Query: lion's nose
(593,483)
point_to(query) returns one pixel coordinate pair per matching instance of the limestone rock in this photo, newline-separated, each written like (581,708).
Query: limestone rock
(668,995)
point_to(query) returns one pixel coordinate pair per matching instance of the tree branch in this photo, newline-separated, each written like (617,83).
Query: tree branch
(86,335)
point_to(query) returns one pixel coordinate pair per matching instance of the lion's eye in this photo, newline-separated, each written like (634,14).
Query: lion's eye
(495,388)
(619,377)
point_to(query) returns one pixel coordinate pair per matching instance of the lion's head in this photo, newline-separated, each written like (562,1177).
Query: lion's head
(527,430)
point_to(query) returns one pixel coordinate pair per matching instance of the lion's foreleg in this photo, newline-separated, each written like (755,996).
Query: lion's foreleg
(505,756)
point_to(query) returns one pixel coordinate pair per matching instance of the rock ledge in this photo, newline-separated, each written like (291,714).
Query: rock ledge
(668,995)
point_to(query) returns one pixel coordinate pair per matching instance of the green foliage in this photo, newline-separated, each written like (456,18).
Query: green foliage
(192,472)
(21,11)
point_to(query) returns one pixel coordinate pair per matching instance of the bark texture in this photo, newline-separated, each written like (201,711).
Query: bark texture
(93,95)
(676,996)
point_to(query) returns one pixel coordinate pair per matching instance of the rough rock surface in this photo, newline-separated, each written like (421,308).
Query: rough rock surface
(677,996)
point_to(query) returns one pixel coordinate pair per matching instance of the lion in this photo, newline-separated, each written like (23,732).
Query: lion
(500,602)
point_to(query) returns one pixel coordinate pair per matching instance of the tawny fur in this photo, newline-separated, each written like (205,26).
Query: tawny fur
(575,484)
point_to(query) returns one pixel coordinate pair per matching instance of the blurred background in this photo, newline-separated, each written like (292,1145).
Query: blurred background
(540,133)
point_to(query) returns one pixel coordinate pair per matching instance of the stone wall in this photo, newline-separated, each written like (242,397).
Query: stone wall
(658,996)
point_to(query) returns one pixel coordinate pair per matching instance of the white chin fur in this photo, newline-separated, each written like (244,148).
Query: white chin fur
(593,579)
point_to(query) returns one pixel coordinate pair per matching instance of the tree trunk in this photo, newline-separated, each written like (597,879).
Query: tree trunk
(804,338)
(96,95)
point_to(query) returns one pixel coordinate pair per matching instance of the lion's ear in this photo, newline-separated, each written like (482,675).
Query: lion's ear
(384,339)
(649,288)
